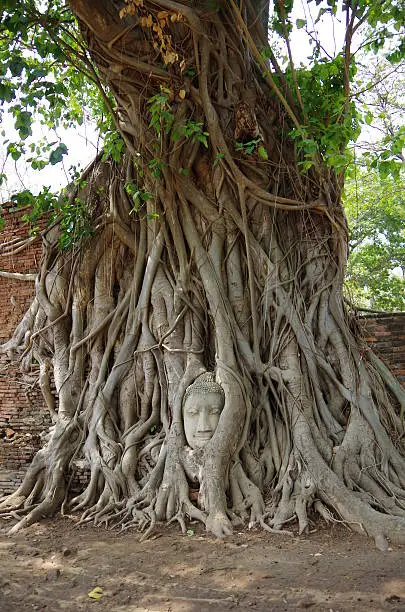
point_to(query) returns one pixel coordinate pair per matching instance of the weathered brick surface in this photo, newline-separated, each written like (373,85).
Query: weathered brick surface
(385,334)
(10,480)
(16,295)
(22,415)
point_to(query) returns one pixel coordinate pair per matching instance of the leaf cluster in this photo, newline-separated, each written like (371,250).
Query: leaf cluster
(331,122)
(162,120)
(72,214)
(375,208)
(38,81)
(139,196)
(251,147)
(329,119)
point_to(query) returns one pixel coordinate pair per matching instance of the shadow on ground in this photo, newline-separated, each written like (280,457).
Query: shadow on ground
(55,565)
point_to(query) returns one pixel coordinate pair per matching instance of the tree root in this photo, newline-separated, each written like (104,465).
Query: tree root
(233,265)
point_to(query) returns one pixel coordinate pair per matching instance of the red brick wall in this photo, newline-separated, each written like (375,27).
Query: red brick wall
(386,335)
(22,417)
(22,414)
(16,295)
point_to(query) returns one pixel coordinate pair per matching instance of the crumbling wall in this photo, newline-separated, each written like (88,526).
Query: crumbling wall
(385,333)
(23,418)
(16,295)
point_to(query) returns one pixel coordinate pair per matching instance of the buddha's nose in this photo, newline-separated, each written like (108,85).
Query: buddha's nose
(203,422)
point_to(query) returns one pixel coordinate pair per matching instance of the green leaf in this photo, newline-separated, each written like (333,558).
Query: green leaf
(369,118)
(57,154)
(7,92)
(23,198)
(145,195)
(248,148)
(262,152)
(23,123)
(16,66)
(156,166)
(218,156)
(300,23)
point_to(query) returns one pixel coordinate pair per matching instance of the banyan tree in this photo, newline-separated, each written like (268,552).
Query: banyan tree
(206,365)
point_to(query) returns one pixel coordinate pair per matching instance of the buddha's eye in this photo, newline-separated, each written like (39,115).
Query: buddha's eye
(192,411)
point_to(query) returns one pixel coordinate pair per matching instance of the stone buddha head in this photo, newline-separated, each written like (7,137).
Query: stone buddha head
(202,406)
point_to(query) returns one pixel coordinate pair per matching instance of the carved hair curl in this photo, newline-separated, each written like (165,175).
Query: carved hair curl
(205,383)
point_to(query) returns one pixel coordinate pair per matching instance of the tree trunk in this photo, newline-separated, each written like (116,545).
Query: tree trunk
(212,252)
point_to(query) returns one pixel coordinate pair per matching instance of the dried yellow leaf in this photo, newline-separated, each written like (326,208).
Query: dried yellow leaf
(170,57)
(127,10)
(182,65)
(182,94)
(158,30)
(162,14)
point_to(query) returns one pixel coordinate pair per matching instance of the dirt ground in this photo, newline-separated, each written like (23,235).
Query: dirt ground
(55,565)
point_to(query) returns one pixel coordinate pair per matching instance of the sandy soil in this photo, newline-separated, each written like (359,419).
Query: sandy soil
(55,565)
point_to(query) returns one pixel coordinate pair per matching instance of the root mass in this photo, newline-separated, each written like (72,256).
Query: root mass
(228,261)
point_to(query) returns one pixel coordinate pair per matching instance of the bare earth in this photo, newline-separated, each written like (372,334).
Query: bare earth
(55,565)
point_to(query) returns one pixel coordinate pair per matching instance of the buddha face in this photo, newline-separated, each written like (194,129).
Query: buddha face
(201,412)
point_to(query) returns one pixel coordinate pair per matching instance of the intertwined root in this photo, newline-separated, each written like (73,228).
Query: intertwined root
(225,262)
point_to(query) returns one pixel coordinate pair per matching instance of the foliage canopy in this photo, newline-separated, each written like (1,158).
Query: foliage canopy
(48,76)
(375,208)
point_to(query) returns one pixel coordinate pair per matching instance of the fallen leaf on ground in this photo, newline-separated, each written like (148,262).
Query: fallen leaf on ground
(96,593)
